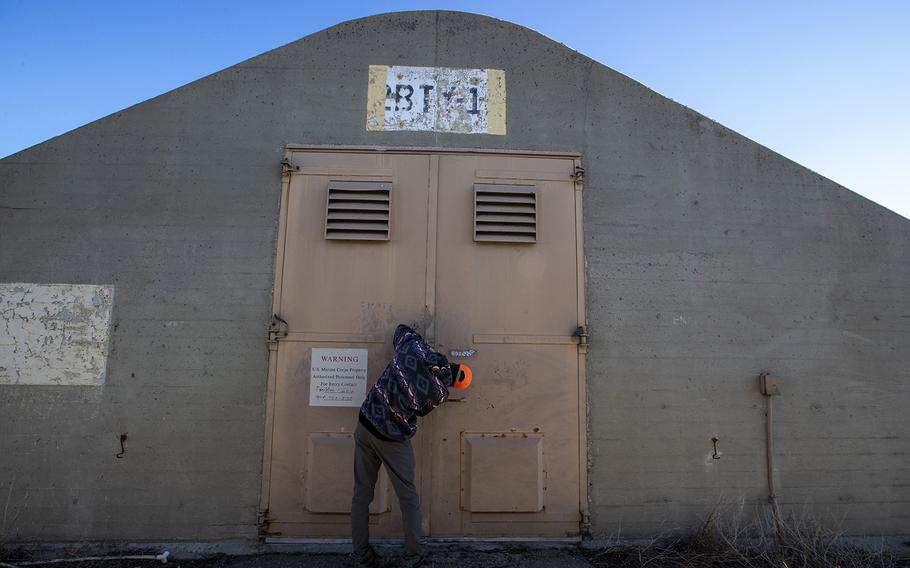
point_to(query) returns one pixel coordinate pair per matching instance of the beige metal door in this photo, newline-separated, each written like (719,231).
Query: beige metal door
(506,459)
(336,293)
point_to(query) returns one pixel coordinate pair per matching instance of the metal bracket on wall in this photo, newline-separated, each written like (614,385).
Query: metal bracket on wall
(768,385)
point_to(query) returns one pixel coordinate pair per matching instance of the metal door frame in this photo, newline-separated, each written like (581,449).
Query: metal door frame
(289,169)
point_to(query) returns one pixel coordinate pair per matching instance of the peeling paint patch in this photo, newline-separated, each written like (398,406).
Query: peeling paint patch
(436,99)
(54,334)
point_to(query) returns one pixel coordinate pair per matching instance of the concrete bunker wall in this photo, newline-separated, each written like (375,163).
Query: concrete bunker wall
(709,260)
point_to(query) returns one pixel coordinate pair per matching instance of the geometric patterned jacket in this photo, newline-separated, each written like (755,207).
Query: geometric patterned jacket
(416,381)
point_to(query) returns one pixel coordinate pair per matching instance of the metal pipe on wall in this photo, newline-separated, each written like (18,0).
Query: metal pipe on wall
(769,450)
(769,387)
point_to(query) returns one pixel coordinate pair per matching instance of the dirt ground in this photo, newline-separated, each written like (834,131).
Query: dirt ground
(460,555)
(439,558)
(449,556)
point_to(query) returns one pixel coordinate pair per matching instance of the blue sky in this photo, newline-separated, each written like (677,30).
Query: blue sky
(825,83)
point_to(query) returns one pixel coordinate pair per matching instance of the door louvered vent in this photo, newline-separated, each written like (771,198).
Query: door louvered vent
(505,213)
(358,210)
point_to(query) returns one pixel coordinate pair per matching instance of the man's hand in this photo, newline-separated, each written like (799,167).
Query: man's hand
(436,368)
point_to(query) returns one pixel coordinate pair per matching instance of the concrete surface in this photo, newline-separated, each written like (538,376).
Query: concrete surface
(709,259)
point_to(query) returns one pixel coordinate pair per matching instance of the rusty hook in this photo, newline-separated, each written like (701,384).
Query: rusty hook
(122,445)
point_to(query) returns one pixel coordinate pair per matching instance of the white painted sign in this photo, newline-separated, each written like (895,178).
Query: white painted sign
(437,99)
(338,377)
(54,334)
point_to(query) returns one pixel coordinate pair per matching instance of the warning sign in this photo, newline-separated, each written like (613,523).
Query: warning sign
(338,377)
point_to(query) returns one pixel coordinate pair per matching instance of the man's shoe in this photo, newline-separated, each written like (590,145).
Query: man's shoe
(414,561)
(372,562)
(371,559)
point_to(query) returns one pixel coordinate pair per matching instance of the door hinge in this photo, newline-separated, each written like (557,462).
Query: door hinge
(581,332)
(585,522)
(263,524)
(579,176)
(287,168)
(278,329)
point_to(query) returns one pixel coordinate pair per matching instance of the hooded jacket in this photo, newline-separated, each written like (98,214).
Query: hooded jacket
(407,388)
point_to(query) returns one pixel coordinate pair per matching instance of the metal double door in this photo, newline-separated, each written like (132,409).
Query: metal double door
(503,458)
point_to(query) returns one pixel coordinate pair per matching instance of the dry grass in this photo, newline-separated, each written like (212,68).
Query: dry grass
(764,540)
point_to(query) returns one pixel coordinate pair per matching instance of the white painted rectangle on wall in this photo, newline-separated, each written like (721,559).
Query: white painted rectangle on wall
(436,99)
(54,334)
(338,377)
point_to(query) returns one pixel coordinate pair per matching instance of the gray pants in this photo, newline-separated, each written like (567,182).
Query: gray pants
(369,453)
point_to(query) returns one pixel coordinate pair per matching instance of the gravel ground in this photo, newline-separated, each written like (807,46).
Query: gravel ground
(441,555)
